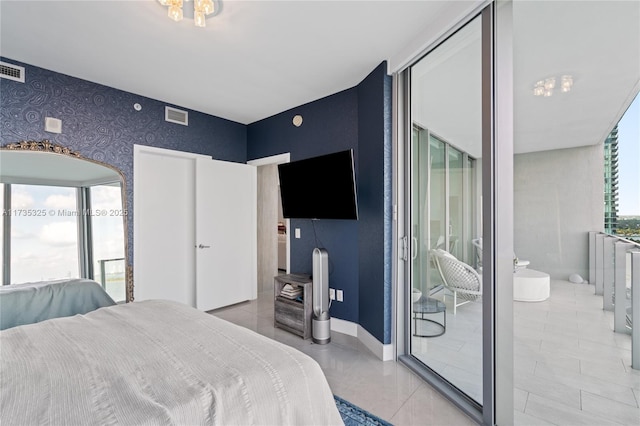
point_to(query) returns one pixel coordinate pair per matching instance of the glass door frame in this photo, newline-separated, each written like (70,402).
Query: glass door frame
(497,218)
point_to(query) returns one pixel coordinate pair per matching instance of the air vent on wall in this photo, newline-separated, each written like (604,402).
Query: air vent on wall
(177,116)
(11,72)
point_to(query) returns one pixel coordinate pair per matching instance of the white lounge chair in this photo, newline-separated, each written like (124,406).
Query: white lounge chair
(517,263)
(458,277)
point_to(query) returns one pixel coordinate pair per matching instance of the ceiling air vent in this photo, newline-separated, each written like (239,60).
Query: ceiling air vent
(11,72)
(177,116)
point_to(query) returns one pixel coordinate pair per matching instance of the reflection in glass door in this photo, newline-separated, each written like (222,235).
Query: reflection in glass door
(456,201)
(446,308)
(436,169)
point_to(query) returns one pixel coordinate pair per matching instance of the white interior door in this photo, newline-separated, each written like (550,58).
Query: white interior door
(164,225)
(226,260)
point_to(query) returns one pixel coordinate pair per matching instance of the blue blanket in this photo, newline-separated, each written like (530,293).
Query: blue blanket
(34,302)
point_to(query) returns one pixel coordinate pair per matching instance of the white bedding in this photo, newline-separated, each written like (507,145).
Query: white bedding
(156,362)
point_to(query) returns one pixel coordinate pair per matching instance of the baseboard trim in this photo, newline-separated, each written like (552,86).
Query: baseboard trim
(345,327)
(382,351)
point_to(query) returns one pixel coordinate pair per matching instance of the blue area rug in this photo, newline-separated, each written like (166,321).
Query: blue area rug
(356,416)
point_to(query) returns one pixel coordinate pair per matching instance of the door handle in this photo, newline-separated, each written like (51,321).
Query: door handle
(414,248)
(201,246)
(404,248)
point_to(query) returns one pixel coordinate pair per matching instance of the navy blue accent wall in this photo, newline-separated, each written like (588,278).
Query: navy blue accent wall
(329,125)
(374,237)
(100,123)
(360,251)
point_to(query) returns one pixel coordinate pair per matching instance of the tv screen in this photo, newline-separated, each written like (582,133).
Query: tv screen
(319,188)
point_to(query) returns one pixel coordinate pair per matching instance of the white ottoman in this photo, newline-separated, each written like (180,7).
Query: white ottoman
(531,286)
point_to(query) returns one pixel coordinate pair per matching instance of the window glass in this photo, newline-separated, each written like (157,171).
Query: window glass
(44,233)
(107,229)
(446,283)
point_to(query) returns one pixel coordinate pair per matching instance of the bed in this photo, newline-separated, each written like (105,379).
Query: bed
(156,362)
(35,302)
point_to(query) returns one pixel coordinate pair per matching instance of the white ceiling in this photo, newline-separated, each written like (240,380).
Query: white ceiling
(597,42)
(253,60)
(258,58)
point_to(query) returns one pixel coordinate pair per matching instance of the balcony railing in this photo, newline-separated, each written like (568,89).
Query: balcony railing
(111,276)
(614,268)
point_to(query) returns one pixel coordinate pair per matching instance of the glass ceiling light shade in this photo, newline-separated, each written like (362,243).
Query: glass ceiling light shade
(199,19)
(545,87)
(566,82)
(550,83)
(538,89)
(201,8)
(175,12)
(205,6)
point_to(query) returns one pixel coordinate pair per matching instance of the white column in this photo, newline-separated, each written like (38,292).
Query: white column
(620,287)
(592,257)
(599,259)
(608,269)
(635,302)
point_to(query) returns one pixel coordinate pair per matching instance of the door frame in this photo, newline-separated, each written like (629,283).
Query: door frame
(277,159)
(496,210)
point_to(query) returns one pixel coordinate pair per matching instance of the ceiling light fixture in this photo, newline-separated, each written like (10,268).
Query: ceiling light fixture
(566,82)
(545,87)
(201,8)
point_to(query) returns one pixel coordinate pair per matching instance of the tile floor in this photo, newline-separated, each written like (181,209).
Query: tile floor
(570,368)
(386,389)
(457,354)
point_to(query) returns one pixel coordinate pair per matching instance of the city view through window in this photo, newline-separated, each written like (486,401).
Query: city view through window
(622,176)
(44,235)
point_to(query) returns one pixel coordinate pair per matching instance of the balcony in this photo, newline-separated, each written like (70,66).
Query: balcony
(614,269)
(576,356)
(570,368)
(111,275)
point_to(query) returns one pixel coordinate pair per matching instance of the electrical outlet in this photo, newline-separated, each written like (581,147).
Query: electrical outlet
(297,232)
(332,293)
(340,295)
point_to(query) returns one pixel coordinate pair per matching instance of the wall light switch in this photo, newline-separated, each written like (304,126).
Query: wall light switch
(297,232)
(340,295)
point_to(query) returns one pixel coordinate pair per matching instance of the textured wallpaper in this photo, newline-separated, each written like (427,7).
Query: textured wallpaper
(100,123)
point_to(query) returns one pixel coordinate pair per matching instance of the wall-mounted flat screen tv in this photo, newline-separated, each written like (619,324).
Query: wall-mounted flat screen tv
(321,187)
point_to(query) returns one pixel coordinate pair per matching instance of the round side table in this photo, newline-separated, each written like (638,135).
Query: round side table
(429,306)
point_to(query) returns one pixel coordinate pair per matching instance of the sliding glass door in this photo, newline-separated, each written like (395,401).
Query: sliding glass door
(446,313)
(456,199)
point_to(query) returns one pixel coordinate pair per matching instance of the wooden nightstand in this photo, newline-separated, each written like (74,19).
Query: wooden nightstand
(293,315)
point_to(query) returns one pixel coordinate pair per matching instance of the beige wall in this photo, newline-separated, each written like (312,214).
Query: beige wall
(558,199)
(267,226)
